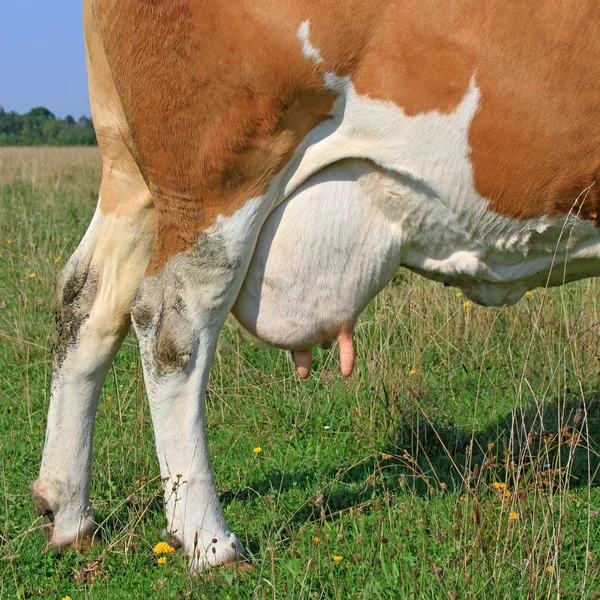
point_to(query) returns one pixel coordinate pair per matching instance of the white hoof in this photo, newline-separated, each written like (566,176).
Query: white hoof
(220,550)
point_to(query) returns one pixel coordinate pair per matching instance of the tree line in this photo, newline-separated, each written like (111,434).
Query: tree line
(40,127)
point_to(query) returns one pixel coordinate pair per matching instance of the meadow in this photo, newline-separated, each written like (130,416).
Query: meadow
(459,461)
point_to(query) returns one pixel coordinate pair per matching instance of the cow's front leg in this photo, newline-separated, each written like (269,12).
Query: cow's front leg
(177,314)
(94,296)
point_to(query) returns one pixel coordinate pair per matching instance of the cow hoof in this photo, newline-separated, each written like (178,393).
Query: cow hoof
(227,552)
(68,527)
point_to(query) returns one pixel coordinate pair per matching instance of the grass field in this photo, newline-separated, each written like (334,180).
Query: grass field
(458,461)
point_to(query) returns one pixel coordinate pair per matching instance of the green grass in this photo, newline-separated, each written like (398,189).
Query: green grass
(410,478)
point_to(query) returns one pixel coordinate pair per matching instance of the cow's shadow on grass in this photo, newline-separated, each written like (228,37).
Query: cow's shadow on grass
(553,445)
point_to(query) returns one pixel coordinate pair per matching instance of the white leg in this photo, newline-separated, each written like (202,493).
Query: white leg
(94,296)
(178,314)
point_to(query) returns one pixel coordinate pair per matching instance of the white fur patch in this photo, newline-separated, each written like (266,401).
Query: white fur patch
(448,232)
(308,49)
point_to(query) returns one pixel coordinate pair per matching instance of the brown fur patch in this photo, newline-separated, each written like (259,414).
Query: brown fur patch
(212,116)
(535,138)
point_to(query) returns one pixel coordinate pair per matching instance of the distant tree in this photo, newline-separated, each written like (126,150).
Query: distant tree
(84,122)
(40,127)
(51,130)
(9,122)
(41,113)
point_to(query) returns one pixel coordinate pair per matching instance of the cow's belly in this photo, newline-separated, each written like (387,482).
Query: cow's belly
(321,257)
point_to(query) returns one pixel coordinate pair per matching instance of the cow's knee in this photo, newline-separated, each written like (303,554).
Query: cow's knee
(76,290)
(163,324)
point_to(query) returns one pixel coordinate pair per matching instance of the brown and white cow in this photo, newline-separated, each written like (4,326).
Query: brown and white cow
(282,159)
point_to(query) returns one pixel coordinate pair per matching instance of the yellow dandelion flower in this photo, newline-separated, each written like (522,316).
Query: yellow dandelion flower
(459,294)
(468,304)
(66,598)
(162,560)
(550,569)
(412,372)
(32,275)
(529,294)
(9,241)
(338,558)
(498,485)
(514,516)
(316,540)
(58,259)
(163,548)
(257,450)
(507,494)
(10,409)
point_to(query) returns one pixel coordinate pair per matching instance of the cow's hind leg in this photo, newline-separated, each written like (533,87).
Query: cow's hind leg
(94,295)
(177,315)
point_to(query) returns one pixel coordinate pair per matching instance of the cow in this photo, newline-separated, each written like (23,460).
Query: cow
(281,160)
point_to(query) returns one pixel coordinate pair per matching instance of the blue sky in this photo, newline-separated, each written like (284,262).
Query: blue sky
(42,58)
